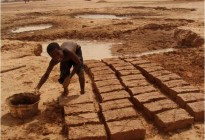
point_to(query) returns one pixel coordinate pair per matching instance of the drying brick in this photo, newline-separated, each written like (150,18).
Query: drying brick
(143,89)
(79,108)
(126,130)
(173,119)
(196,109)
(114,95)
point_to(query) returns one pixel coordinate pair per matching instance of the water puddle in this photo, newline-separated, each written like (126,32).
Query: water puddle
(101,16)
(90,49)
(155,52)
(31,28)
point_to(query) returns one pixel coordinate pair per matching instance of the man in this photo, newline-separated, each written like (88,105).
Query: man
(68,54)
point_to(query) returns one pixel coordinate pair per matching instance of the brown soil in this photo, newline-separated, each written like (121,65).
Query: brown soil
(153,26)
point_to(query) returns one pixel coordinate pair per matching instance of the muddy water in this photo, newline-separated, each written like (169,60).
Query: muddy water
(90,49)
(31,28)
(101,16)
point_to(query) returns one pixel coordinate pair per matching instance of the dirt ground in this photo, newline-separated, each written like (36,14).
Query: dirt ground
(153,25)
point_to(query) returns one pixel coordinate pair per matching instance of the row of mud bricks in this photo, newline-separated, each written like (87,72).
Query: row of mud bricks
(126,87)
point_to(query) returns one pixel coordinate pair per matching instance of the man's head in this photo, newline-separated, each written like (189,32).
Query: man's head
(55,51)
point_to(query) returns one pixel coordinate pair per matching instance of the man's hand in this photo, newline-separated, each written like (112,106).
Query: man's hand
(66,82)
(37,92)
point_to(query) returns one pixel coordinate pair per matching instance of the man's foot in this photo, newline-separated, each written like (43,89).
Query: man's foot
(82,92)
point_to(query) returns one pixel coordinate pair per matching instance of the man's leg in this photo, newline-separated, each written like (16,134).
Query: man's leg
(80,72)
(81,78)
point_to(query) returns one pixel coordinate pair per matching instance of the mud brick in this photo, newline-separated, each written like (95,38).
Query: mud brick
(173,119)
(153,68)
(122,94)
(183,89)
(124,68)
(175,83)
(102,72)
(109,88)
(136,83)
(119,114)
(79,108)
(87,132)
(107,82)
(183,99)
(160,73)
(120,64)
(80,119)
(148,65)
(92,65)
(104,77)
(88,63)
(140,62)
(143,89)
(131,59)
(96,69)
(132,77)
(158,106)
(128,72)
(196,109)
(116,104)
(126,130)
(141,99)
(75,99)
(111,60)
(169,77)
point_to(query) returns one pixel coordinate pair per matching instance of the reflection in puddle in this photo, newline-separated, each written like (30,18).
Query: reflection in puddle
(31,28)
(90,49)
(101,16)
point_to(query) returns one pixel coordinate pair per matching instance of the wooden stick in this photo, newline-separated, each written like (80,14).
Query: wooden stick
(3,71)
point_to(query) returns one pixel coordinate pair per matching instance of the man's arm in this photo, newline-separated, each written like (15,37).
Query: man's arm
(45,76)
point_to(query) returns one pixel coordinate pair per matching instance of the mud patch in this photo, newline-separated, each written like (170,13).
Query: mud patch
(31,28)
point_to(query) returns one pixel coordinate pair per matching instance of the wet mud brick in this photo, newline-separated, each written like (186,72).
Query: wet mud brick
(142,89)
(132,77)
(93,65)
(158,106)
(80,119)
(173,119)
(120,64)
(147,70)
(128,129)
(79,108)
(119,68)
(107,82)
(75,99)
(88,63)
(102,72)
(175,91)
(140,62)
(152,76)
(104,77)
(87,132)
(136,83)
(119,114)
(183,99)
(115,104)
(115,95)
(109,88)
(126,72)
(97,69)
(141,99)
(109,61)
(175,83)
(196,109)
(169,77)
